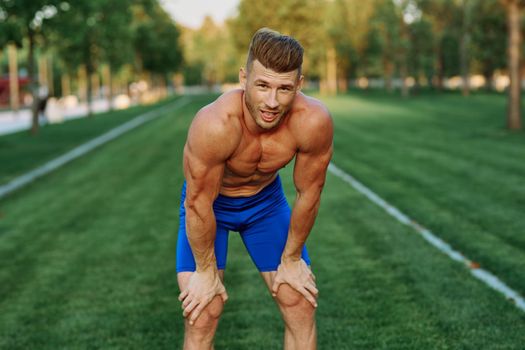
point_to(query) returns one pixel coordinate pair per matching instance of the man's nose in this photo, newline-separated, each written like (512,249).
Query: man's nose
(271,99)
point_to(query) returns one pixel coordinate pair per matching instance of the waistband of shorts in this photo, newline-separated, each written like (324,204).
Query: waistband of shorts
(269,190)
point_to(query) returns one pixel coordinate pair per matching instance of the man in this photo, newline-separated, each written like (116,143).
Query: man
(235,147)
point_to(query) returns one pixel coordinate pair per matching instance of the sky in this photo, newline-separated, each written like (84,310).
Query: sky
(191,13)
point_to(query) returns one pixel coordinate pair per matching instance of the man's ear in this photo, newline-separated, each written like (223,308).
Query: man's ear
(242,78)
(301,81)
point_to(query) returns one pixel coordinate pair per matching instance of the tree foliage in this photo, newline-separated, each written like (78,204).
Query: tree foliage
(156,40)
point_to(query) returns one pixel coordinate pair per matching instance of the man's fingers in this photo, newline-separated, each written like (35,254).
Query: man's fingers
(186,302)
(196,313)
(224,297)
(275,287)
(189,308)
(308,296)
(183,294)
(312,289)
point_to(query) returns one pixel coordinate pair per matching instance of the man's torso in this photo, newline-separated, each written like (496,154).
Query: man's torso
(258,157)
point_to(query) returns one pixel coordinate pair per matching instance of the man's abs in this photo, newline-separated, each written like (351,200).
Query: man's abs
(245,186)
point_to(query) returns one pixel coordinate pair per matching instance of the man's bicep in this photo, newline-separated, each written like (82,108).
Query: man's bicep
(313,157)
(203,174)
(310,169)
(205,155)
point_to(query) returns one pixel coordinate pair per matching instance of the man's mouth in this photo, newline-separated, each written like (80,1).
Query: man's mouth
(268,116)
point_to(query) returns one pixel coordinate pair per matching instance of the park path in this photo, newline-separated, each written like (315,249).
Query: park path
(11,121)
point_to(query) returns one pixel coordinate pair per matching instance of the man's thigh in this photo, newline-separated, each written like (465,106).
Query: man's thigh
(265,239)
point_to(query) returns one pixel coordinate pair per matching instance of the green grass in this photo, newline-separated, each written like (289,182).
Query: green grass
(448,163)
(21,152)
(87,253)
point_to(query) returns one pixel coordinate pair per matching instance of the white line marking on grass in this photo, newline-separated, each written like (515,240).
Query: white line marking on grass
(481,274)
(48,167)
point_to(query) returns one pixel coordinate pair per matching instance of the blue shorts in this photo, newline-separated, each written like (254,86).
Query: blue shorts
(262,221)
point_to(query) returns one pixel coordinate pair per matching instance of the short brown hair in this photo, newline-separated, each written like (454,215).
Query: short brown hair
(275,51)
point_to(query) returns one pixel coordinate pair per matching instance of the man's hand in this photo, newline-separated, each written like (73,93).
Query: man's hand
(299,276)
(202,287)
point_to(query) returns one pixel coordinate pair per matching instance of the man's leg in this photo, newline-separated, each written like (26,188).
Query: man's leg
(265,234)
(298,315)
(200,335)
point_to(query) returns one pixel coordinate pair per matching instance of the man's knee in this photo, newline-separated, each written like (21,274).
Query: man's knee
(209,317)
(290,300)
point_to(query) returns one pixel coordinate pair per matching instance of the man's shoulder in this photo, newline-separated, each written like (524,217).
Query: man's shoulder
(227,106)
(312,116)
(218,125)
(222,115)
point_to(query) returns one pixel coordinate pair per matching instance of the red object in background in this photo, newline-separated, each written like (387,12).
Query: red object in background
(4,89)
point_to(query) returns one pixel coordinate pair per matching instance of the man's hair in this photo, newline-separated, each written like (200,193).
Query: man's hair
(275,51)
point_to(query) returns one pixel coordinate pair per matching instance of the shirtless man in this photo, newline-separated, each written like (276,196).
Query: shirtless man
(235,147)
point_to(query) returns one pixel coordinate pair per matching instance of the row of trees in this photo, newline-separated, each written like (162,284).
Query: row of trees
(91,36)
(427,40)
(344,40)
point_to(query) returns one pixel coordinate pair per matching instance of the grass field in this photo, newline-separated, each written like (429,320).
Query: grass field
(87,253)
(20,153)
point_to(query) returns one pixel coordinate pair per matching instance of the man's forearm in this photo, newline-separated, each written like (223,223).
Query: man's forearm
(301,222)
(201,228)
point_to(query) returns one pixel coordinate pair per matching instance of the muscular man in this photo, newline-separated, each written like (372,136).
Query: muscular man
(235,147)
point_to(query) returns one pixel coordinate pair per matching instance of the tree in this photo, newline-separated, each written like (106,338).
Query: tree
(116,40)
(513,9)
(347,23)
(301,19)
(421,51)
(443,15)
(385,23)
(489,36)
(464,46)
(27,17)
(400,30)
(210,40)
(78,36)
(156,41)
(11,37)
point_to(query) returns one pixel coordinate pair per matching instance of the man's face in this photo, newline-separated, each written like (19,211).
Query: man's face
(269,95)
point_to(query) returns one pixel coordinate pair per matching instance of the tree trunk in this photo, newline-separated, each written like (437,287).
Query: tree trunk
(464,49)
(106,81)
(89,93)
(66,86)
(488,79)
(403,71)
(388,68)
(514,45)
(51,84)
(95,81)
(42,71)
(14,96)
(342,81)
(331,71)
(82,84)
(33,82)
(438,82)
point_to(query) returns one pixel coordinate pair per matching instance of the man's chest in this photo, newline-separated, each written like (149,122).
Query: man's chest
(266,154)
